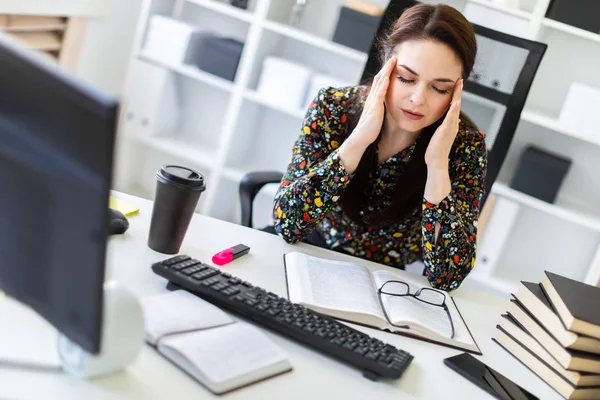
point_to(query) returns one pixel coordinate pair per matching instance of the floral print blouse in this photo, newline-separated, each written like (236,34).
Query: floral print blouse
(315,180)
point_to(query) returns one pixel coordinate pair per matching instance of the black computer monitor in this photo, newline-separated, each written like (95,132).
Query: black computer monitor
(56,144)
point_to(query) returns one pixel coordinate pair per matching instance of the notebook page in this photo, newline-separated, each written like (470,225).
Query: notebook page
(342,286)
(237,354)
(179,311)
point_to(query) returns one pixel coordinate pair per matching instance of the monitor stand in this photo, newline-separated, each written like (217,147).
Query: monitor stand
(39,347)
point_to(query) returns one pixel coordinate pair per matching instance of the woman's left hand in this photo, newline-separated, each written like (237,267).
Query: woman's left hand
(438,151)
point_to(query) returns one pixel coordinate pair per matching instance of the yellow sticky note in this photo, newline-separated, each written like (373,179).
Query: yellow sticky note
(126,208)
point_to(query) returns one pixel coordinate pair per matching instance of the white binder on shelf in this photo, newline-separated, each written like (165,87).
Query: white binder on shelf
(498,230)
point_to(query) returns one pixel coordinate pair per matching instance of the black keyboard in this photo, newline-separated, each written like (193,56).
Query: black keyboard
(374,357)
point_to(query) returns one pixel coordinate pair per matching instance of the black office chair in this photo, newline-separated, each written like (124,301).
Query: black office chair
(495,92)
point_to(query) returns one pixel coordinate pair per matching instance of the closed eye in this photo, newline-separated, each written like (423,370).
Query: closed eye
(404,80)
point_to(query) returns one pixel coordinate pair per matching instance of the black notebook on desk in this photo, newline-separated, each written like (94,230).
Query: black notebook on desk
(348,292)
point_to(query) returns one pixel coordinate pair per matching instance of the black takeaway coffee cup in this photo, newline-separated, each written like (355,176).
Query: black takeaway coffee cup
(178,190)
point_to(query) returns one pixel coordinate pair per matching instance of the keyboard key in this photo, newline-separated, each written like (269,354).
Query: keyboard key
(175,260)
(192,270)
(184,264)
(204,274)
(209,281)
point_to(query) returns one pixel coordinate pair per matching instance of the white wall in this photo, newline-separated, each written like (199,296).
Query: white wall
(108,44)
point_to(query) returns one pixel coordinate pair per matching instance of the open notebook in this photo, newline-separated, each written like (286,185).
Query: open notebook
(221,353)
(349,292)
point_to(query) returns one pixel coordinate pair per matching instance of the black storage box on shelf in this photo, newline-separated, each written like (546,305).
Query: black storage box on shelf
(356,29)
(540,174)
(584,14)
(214,54)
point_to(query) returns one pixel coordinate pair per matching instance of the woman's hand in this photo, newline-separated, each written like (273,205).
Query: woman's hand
(438,151)
(371,119)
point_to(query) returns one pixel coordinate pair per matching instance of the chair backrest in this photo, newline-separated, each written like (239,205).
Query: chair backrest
(495,93)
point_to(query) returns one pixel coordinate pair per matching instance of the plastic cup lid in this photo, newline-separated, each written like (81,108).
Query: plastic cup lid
(183,176)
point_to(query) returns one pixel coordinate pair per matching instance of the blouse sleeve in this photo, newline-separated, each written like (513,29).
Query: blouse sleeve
(449,259)
(315,177)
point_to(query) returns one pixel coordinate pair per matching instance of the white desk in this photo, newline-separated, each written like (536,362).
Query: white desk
(315,375)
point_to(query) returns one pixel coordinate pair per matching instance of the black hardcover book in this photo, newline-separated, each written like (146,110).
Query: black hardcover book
(576,303)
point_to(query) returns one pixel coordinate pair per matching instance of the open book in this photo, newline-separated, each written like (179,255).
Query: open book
(221,353)
(349,292)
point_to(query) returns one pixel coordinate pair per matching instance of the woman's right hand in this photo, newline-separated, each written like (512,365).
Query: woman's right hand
(371,119)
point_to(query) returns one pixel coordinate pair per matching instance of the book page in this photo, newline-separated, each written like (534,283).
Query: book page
(408,310)
(412,311)
(336,285)
(179,311)
(227,356)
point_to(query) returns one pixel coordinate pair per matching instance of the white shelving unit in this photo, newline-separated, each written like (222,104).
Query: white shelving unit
(190,72)
(571,30)
(174,113)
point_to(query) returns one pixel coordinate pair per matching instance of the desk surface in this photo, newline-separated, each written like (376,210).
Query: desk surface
(314,376)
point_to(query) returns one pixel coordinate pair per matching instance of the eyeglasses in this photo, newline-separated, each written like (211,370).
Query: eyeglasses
(428,296)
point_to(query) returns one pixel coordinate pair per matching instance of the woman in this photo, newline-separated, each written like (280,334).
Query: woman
(394,172)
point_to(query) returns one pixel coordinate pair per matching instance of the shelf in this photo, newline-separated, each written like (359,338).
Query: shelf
(190,72)
(587,221)
(16,29)
(32,23)
(256,98)
(225,9)
(176,148)
(507,10)
(552,123)
(316,41)
(571,30)
(46,41)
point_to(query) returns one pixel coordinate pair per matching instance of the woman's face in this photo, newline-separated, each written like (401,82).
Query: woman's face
(421,86)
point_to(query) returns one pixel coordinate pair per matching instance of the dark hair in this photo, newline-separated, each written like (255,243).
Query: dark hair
(439,23)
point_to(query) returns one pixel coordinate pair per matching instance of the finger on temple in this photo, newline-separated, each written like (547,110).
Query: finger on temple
(383,86)
(457,91)
(392,65)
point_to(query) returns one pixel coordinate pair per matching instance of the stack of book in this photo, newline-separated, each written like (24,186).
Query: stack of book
(553,328)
